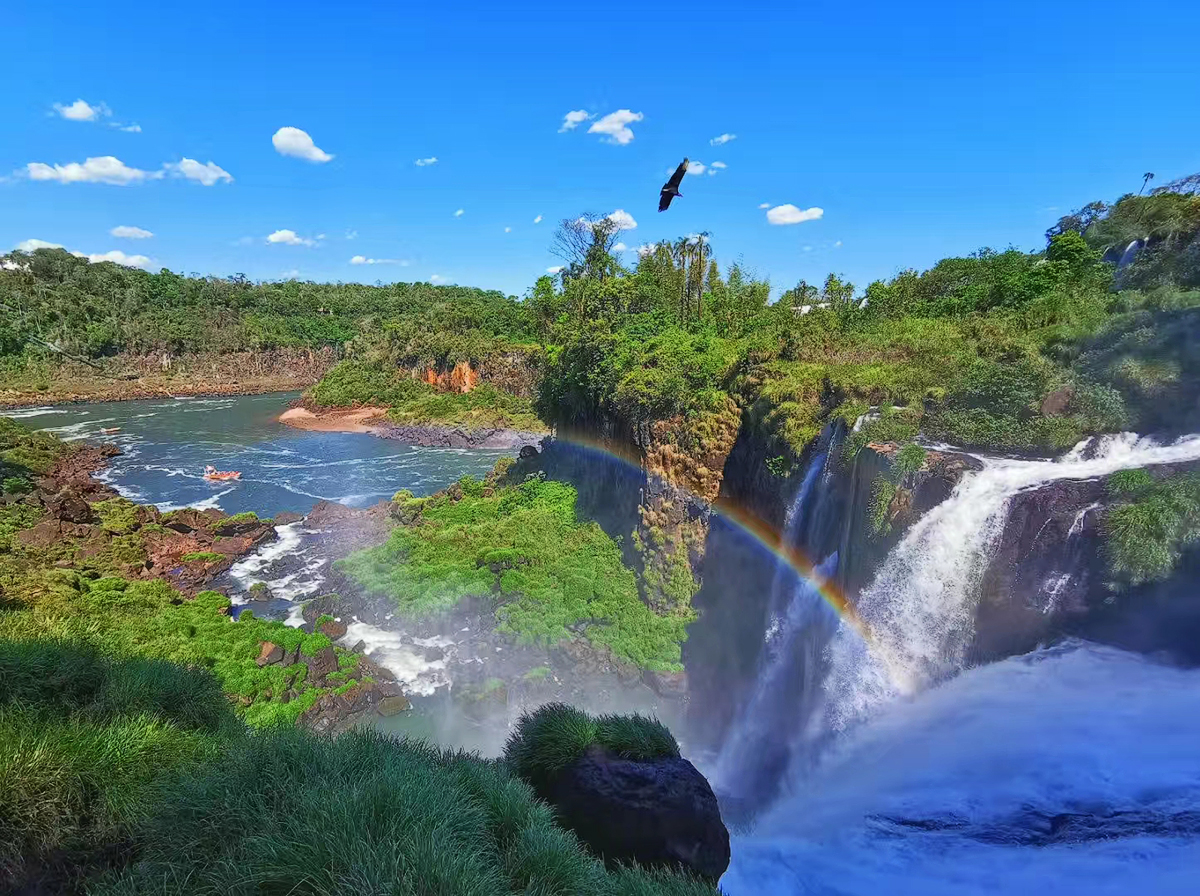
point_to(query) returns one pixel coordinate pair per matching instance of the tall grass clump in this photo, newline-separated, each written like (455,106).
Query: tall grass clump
(552,737)
(1147,532)
(365,813)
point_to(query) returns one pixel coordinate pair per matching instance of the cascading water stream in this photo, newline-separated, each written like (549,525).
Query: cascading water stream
(903,791)
(753,756)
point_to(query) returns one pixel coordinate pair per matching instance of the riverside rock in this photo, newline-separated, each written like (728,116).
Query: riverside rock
(658,812)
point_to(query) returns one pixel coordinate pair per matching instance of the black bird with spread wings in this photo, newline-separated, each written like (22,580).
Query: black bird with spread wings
(671,188)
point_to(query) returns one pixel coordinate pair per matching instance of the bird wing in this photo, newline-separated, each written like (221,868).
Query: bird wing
(664,199)
(677,177)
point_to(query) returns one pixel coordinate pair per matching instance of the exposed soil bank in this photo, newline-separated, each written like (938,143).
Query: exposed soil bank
(427,435)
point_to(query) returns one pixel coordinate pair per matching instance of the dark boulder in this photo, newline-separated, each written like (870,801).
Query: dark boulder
(320,665)
(390,706)
(659,812)
(70,507)
(287,517)
(269,654)
(333,629)
(672,685)
(527,452)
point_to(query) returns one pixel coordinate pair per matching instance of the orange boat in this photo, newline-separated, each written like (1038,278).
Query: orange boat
(212,474)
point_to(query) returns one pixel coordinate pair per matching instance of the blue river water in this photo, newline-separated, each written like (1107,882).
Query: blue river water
(166,443)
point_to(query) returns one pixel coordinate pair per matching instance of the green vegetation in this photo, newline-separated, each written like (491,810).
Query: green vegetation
(414,401)
(203,557)
(550,738)
(116,767)
(1003,350)
(522,547)
(97,310)
(1146,532)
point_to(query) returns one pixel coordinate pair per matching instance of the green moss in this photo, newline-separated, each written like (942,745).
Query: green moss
(538,673)
(555,573)
(203,557)
(118,516)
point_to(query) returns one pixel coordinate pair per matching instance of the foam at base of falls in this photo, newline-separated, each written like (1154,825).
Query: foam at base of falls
(395,652)
(960,790)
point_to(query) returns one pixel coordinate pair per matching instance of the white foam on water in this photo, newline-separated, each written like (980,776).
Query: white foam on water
(394,652)
(73,432)
(26,413)
(920,606)
(287,540)
(1077,729)
(210,503)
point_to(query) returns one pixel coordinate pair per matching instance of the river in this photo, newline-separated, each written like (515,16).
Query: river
(165,444)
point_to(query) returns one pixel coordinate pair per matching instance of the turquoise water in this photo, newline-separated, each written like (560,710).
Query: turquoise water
(165,444)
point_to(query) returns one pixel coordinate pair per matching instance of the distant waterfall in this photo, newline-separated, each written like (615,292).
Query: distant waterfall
(755,752)
(1127,258)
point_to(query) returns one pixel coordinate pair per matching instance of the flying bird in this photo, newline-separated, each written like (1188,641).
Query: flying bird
(671,188)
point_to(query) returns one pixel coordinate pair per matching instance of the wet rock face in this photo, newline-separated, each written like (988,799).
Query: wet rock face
(658,813)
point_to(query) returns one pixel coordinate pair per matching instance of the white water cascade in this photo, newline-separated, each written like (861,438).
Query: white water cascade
(922,780)
(920,607)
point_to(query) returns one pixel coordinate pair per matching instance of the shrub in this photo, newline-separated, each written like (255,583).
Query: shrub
(1146,535)
(552,737)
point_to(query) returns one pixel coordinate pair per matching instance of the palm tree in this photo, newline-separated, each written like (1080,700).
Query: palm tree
(1146,178)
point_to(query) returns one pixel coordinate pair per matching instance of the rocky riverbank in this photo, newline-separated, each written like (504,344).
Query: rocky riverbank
(374,421)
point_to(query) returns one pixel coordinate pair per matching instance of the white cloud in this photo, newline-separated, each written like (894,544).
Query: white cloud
(764,205)
(33,245)
(615,125)
(289,238)
(362,259)
(573,119)
(722,140)
(620,247)
(508,230)
(290,275)
(537,220)
(436,278)
(320,236)
(206,174)
(96,170)
(696,168)
(297,143)
(838,244)
(351,234)
(131,233)
(789,214)
(82,111)
(557,269)
(130,128)
(459,213)
(808,248)
(622,219)
(645,249)
(715,167)
(119,257)
(421,163)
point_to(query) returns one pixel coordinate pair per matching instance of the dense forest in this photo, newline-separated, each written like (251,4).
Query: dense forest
(1002,349)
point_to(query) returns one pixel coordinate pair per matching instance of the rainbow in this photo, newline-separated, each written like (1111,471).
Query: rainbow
(757,529)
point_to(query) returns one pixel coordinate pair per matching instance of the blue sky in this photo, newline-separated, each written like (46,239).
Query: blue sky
(920,130)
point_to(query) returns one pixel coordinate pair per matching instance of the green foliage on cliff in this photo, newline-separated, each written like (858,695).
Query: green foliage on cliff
(550,738)
(548,573)
(1154,521)
(1002,349)
(413,401)
(25,454)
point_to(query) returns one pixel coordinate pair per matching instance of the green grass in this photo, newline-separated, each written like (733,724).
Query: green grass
(23,452)
(203,556)
(554,572)
(552,737)
(118,516)
(1147,532)
(412,401)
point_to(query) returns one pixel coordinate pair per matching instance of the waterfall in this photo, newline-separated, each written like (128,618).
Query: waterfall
(1127,258)
(753,754)
(1072,771)
(920,607)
